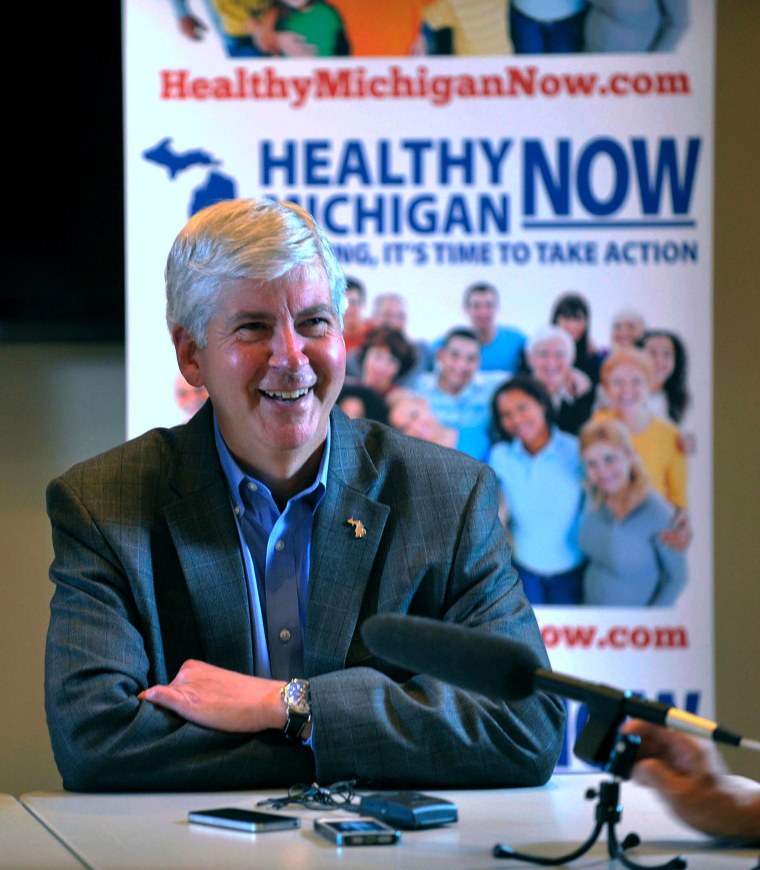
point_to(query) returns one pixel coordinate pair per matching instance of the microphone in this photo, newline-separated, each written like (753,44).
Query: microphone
(506,670)
(465,657)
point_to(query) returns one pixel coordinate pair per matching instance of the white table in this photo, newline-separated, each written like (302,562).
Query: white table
(122,831)
(25,844)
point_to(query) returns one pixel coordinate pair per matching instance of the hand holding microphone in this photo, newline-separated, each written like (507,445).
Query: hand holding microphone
(688,773)
(691,777)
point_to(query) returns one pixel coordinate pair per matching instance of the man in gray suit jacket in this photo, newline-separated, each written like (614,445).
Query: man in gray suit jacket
(211,580)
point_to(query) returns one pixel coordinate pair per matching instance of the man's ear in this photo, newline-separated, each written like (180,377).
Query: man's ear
(187,351)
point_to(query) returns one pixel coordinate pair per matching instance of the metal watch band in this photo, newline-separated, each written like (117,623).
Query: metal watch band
(295,694)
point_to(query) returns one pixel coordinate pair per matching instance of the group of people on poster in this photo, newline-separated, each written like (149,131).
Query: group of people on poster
(318,28)
(587,443)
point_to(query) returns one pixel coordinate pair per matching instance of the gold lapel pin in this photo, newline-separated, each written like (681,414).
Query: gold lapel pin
(359,530)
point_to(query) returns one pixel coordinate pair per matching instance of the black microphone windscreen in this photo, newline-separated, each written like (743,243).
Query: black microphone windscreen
(465,657)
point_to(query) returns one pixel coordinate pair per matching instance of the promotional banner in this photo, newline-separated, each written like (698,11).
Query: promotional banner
(543,188)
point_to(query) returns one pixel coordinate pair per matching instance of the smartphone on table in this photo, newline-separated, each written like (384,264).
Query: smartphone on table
(239,819)
(356,831)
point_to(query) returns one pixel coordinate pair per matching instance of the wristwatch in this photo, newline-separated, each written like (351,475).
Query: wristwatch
(295,694)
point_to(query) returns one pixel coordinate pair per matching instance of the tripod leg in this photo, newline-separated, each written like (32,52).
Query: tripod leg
(617,850)
(501,851)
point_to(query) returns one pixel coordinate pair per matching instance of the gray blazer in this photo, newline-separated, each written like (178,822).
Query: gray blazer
(148,573)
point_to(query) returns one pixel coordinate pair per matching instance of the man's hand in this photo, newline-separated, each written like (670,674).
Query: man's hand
(690,775)
(221,699)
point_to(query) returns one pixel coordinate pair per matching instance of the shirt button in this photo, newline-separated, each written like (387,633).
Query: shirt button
(252,486)
(284,635)
(237,510)
(280,546)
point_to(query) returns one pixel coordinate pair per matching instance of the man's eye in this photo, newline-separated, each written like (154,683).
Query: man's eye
(315,324)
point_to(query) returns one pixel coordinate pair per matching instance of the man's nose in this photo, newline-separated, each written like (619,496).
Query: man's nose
(287,349)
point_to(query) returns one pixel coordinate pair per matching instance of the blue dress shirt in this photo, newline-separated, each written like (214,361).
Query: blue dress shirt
(276,550)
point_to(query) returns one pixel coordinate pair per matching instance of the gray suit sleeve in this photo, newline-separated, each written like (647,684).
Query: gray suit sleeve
(106,642)
(401,730)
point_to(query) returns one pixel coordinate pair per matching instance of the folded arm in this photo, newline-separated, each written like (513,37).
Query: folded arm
(104,648)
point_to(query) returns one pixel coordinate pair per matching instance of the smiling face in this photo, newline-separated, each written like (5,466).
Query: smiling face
(627,329)
(391,312)
(458,361)
(522,417)
(608,467)
(663,355)
(574,326)
(482,307)
(273,364)
(550,363)
(627,387)
(412,416)
(379,368)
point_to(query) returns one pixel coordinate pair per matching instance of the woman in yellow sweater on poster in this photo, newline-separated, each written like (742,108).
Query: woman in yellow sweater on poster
(627,377)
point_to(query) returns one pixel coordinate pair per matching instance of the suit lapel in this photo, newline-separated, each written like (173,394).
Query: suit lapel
(205,536)
(342,553)
(204,533)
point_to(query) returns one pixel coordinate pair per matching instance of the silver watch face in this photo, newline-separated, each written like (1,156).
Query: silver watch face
(297,696)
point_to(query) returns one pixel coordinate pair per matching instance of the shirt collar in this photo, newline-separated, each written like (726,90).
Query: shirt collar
(548,448)
(237,478)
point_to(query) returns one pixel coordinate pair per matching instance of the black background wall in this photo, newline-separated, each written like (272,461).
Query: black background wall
(62,247)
